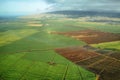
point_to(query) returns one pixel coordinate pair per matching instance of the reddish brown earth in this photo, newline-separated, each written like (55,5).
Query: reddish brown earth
(107,66)
(103,63)
(76,53)
(115,55)
(91,36)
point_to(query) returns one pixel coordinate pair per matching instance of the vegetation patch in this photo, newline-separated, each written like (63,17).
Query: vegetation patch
(34,24)
(14,35)
(115,45)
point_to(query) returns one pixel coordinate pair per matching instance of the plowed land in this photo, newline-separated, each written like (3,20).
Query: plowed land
(107,66)
(91,36)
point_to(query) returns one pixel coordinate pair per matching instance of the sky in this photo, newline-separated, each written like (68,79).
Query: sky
(19,7)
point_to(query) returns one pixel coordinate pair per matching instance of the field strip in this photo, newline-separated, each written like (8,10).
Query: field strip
(15,35)
(37,50)
(106,56)
(81,77)
(51,62)
(109,53)
(86,59)
(46,72)
(65,74)
(103,60)
(99,74)
(97,62)
(110,57)
(25,72)
(105,67)
(5,56)
(23,51)
(91,36)
(12,65)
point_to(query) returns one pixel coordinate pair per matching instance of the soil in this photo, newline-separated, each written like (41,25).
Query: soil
(105,65)
(115,55)
(108,69)
(91,36)
(75,54)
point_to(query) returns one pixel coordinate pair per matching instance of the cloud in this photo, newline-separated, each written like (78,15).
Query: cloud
(33,6)
(108,5)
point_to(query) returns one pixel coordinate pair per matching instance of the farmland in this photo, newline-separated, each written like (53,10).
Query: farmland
(109,45)
(32,48)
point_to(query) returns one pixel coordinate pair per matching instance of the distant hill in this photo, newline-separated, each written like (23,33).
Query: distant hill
(75,13)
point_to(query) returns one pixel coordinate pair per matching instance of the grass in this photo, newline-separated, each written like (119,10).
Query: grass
(26,53)
(40,40)
(28,66)
(108,45)
(14,35)
(100,26)
(61,25)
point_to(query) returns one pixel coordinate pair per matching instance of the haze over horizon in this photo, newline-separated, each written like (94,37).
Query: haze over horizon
(24,7)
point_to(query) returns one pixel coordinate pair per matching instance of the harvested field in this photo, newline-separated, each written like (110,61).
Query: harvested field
(107,66)
(108,69)
(90,60)
(115,55)
(76,53)
(91,36)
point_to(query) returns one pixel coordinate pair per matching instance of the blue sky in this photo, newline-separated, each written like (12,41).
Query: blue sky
(8,7)
(16,7)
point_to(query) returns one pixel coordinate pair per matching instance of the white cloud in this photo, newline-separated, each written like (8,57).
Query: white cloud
(108,5)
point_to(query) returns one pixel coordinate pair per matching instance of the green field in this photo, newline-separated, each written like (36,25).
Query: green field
(108,45)
(26,52)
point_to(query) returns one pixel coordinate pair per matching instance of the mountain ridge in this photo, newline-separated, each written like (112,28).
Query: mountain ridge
(78,13)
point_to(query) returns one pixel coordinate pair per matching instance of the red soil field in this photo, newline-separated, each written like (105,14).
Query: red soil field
(90,60)
(108,69)
(91,36)
(75,54)
(107,66)
(115,55)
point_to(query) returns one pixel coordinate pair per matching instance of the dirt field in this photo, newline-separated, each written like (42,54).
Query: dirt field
(107,66)
(105,63)
(76,53)
(91,36)
(115,55)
